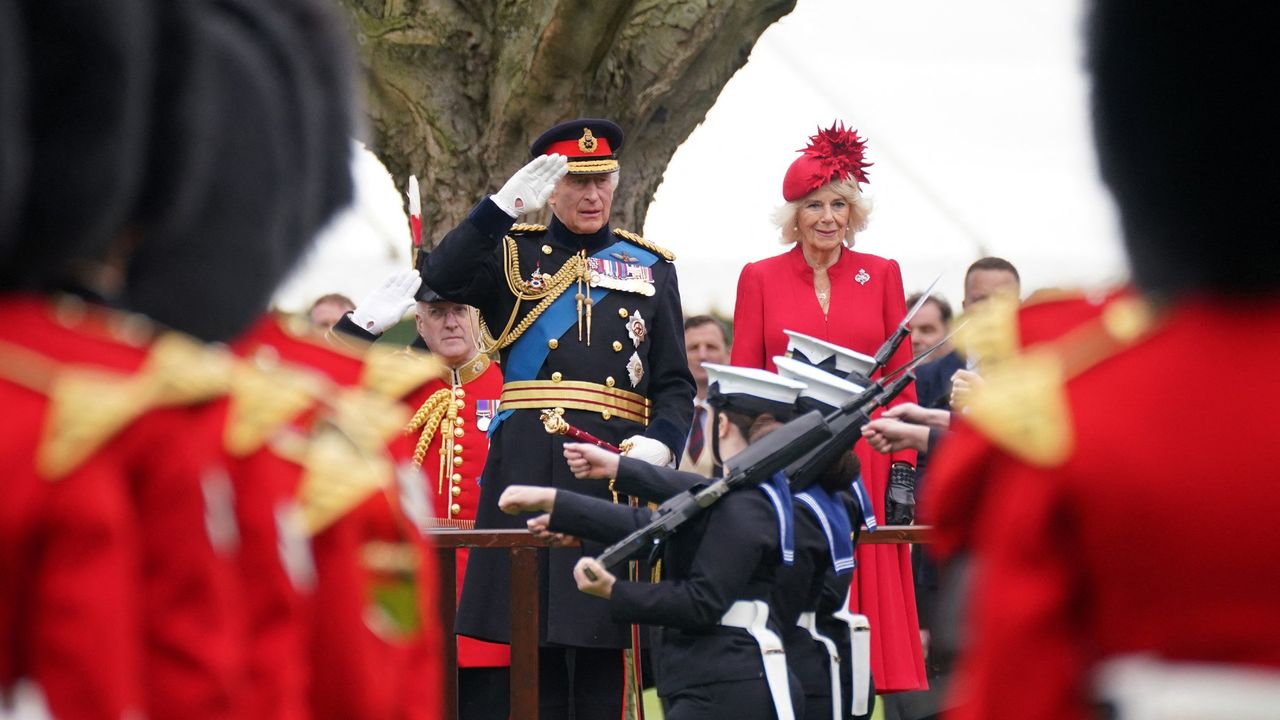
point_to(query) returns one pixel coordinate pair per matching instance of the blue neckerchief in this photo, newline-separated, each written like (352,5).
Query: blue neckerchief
(864,502)
(529,352)
(835,525)
(779,493)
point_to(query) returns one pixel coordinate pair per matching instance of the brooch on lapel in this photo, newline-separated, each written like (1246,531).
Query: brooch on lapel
(862,277)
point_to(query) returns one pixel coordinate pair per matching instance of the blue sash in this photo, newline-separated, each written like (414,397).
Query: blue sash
(835,525)
(779,493)
(529,352)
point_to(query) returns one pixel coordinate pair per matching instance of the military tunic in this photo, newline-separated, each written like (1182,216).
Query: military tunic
(645,359)
(374,642)
(1097,467)
(116,574)
(452,462)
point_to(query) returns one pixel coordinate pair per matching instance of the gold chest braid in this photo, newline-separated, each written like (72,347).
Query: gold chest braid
(548,288)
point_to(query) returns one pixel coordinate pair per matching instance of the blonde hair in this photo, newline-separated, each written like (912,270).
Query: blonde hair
(785,217)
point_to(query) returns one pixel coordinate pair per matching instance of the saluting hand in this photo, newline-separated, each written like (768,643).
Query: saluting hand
(527,191)
(601,586)
(587,461)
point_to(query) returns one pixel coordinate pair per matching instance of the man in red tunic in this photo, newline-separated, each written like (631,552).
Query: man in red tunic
(1081,479)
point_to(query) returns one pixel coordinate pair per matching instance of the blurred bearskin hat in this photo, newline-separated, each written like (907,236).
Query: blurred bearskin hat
(1186,131)
(198,143)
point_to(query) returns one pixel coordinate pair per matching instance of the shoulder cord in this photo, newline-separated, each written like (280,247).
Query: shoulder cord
(569,273)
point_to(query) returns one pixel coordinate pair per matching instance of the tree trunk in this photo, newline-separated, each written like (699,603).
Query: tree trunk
(459,88)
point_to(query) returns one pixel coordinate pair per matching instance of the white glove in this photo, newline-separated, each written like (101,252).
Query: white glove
(647,449)
(528,190)
(386,304)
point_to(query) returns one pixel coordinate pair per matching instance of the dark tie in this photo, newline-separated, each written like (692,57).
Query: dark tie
(697,436)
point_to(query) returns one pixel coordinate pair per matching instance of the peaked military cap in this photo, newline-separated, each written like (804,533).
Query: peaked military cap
(828,356)
(590,144)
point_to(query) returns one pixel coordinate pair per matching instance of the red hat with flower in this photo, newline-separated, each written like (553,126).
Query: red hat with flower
(833,154)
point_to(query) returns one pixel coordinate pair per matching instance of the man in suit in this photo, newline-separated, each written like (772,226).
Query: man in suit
(705,340)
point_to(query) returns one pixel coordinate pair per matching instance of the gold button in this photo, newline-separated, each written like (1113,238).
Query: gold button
(456,491)
(459,422)
(459,404)
(457,460)
(459,392)
(546,249)
(457,448)
(556,376)
(456,478)
(622,313)
(457,432)
(606,414)
(454,509)
(553,343)
(609,381)
(617,346)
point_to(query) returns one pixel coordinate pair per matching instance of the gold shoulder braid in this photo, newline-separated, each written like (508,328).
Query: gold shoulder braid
(396,373)
(990,330)
(529,228)
(88,406)
(265,399)
(1022,407)
(646,244)
(346,460)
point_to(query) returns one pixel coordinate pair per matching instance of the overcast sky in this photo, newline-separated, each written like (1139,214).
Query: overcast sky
(976,119)
(975,113)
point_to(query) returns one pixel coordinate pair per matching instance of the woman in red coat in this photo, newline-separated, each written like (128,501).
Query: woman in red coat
(822,287)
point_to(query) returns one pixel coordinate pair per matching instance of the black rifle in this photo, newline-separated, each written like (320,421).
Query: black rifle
(791,443)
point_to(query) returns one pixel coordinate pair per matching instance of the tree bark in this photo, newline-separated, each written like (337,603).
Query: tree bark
(458,89)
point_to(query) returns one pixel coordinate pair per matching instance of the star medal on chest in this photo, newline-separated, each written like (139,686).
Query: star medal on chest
(636,329)
(485,410)
(635,369)
(862,277)
(535,280)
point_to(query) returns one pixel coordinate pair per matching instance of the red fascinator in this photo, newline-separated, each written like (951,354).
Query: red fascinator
(832,154)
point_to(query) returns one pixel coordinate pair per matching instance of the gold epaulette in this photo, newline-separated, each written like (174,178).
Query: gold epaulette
(1022,404)
(396,373)
(989,333)
(647,245)
(527,228)
(89,406)
(345,460)
(264,399)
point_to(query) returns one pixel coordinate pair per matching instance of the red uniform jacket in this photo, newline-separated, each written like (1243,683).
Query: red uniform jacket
(1092,553)
(376,645)
(867,303)
(452,471)
(116,532)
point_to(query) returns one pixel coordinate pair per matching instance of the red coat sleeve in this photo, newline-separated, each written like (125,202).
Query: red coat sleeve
(895,307)
(748,321)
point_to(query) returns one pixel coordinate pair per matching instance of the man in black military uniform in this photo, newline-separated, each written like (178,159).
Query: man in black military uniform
(588,321)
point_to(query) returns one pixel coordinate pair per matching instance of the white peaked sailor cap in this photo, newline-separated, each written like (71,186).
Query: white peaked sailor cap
(751,391)
(827,390)
(828,356)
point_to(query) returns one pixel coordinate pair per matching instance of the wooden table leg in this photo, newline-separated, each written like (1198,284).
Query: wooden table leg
(448,613)
(524,632)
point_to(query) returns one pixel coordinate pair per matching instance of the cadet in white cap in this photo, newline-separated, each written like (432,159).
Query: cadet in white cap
(853,366)
(716,643)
